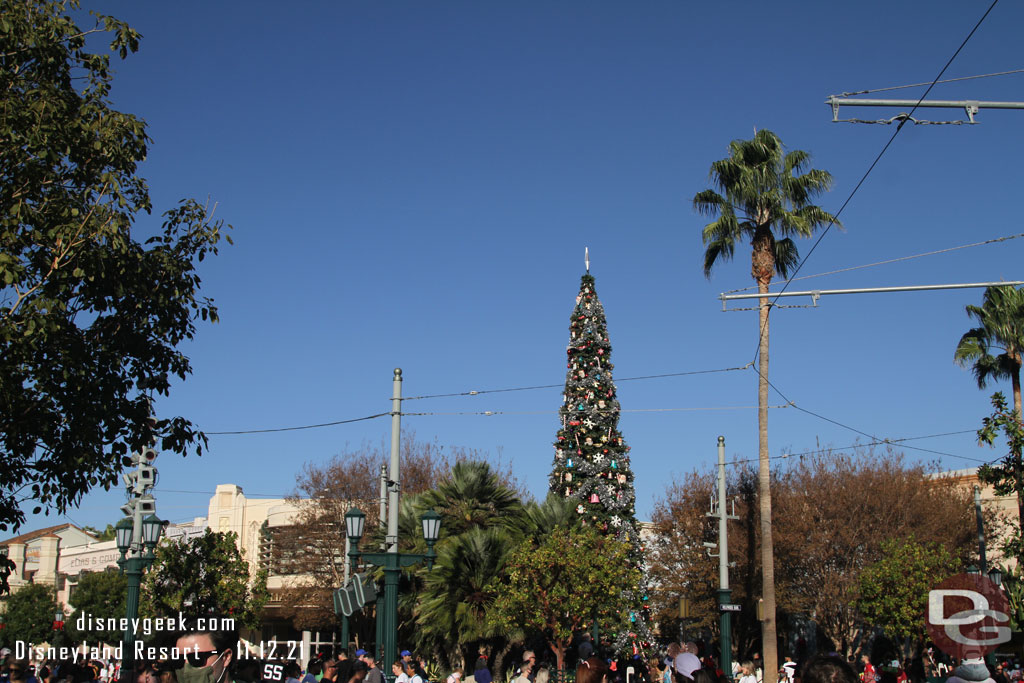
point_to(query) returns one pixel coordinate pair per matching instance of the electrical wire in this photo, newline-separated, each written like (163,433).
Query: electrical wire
(293,429)
(854,429)
(624,410)
(877,442)
(874,163)
(915,85)
(882,263)
(475,392)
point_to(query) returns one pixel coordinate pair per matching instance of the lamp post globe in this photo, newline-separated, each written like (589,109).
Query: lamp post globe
(123,533)
(431,522)
(995,576)
(354,522)
(152,527)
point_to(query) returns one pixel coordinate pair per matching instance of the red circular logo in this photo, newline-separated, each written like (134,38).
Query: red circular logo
(968,616)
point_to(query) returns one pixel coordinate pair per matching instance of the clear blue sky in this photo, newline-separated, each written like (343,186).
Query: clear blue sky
(412,185)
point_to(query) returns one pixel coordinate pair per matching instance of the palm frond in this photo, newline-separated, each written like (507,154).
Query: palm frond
(786,256)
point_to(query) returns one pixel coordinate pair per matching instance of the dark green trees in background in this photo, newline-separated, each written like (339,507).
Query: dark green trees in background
(91,314)
(592,465)
(202,576)
(97,594)
(28,616)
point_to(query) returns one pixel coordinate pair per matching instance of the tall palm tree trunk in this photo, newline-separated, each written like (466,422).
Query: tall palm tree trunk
(762,268)
(1018,465)
(768,637)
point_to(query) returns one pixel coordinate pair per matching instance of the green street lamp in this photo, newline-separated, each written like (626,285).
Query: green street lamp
(995,576)
(136,543)
(392,563)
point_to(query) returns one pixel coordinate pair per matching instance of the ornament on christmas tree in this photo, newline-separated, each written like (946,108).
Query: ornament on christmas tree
(594,498)
(579,509)
(568,476)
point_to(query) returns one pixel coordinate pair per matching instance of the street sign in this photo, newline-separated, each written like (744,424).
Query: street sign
(730,608)
(365,589)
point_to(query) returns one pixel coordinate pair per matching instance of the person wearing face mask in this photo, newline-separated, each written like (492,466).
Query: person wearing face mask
(206,657)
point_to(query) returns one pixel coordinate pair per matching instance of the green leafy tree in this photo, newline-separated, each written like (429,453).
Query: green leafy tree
(894,590)
(561,583)
(993,352)
(760,192)
(1013,587)
(97,594)
(28,615)
(205,575)
(592,467)
(1007,477)
(90,317)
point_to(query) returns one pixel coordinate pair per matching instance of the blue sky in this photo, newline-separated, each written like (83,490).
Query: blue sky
(412,185)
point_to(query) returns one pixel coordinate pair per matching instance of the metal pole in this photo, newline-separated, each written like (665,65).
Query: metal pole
(981,531)
(383,499)
(348,572)
(392,568)
(944,104)
(724,594)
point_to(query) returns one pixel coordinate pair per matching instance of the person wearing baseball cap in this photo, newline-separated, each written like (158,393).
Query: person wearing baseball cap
(373,674)
(685,664)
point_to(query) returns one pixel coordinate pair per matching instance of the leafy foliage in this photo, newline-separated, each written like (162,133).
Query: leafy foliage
(1013,587)
(832,512)
(558,584)
(894,590)
(993,349)
(757,195)
(90,318)
(98,594)
(1006,477)
(313,545)
(28,616)
(202,576)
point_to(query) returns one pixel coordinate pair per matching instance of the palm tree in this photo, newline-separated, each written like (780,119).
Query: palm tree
(757,195)
(1001,329)
(452,611)
(473,497)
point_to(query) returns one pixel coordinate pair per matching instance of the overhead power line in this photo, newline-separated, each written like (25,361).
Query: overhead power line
(837,423)
(857,446)
(889,261)
(917,85)
(294,429)
(475,392)
(878,158)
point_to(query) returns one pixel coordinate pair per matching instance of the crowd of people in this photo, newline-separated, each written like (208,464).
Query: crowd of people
(211,657)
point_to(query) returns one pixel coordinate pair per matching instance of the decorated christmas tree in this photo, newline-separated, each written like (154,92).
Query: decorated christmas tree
(592,459)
